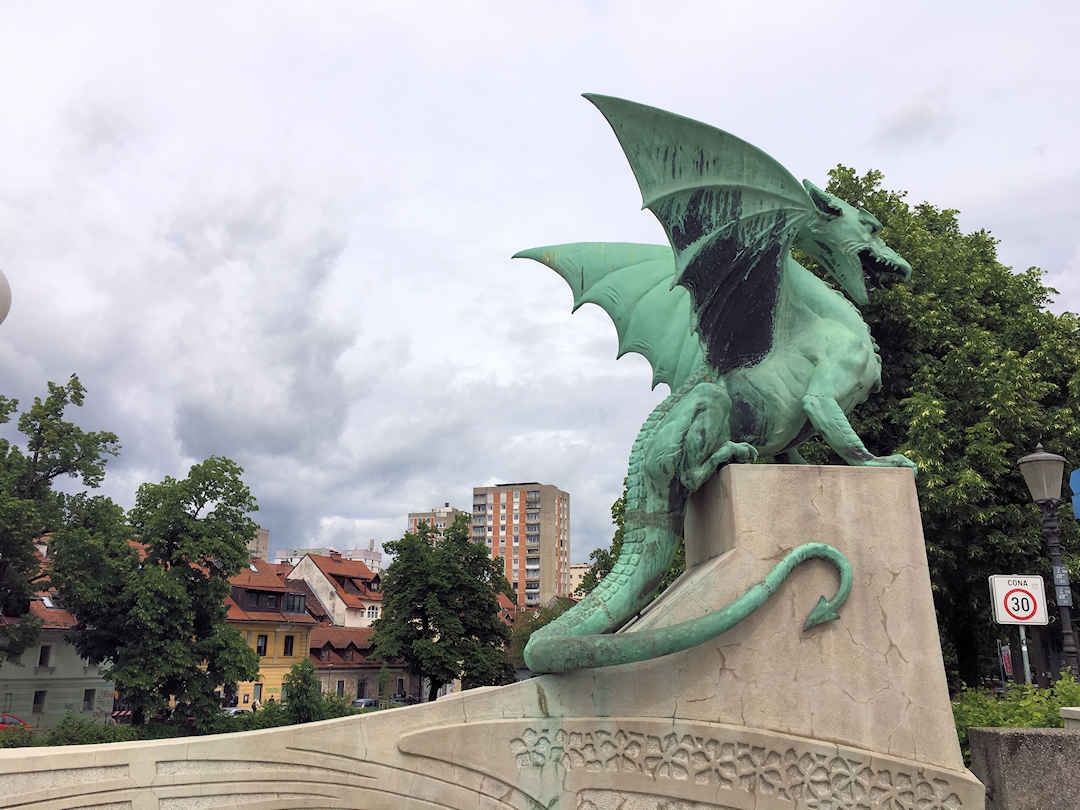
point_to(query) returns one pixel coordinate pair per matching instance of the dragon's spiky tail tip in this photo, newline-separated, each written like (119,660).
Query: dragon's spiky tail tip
(823,612)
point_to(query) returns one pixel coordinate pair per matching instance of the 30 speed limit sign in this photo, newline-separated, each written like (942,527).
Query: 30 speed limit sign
(1018,599)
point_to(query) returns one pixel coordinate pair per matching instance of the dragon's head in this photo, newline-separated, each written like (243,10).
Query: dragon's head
(845,240)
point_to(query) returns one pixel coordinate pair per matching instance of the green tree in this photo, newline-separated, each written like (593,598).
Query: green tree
(155,613)
(975,372)
(302,693)
(440,611)
(29,507)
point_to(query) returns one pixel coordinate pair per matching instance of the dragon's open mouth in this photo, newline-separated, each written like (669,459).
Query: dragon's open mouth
(876,268)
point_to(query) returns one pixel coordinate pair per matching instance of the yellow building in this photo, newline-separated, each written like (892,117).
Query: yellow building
(272,615)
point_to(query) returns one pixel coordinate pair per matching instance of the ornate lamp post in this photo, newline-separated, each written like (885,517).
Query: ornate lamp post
(1043,471)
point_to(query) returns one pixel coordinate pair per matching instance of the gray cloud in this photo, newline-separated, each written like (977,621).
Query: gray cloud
(924,119)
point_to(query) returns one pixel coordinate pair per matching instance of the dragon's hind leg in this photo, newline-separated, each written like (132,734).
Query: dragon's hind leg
(695,440)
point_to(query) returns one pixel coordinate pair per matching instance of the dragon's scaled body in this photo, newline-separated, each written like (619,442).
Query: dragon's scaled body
(759,354)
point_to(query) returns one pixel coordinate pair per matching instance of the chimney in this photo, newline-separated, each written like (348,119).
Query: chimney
(335,555)
(371,544)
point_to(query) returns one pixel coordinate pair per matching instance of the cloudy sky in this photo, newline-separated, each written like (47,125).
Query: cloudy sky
(281,232)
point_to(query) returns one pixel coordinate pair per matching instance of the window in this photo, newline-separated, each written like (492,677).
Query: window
(361,688)
(341,688)
(372,612)
(88,700)
(39,701)
(401,686)
(247,698)
(256,692)
(44,655)
(260,646)
(294,603)
(324,653)
(288,646)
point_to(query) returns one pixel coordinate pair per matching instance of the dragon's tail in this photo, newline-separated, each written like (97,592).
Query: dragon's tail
(560,653)
(648,546)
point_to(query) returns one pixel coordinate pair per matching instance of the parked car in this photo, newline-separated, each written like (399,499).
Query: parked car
(365,703)
(10,721)
(399,699)
(236,710)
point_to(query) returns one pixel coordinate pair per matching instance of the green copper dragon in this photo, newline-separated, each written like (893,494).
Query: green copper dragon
(758,352)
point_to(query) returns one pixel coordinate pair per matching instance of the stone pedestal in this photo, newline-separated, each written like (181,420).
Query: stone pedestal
(852,714)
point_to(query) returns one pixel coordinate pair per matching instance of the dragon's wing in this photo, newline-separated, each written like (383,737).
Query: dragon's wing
(731,213)
(634,285)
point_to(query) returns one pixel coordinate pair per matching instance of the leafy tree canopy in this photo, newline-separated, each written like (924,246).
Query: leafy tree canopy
(29,507)
(154,613)
(440,612)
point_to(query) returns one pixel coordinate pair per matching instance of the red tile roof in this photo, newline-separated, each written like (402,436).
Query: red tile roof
(507,608)
(354,571)
(263,576)
(52,618)
(331,646)
(342,567)
(259,575)
(283,569)
(342,637)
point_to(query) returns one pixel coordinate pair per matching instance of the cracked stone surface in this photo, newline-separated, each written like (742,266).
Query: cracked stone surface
(874,678)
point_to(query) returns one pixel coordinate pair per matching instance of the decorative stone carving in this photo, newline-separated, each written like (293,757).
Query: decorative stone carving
(819,780)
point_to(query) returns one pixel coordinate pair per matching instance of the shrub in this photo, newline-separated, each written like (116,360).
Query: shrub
(21,738)
(335,706)
(269,715)
(75,730)
(1021,706)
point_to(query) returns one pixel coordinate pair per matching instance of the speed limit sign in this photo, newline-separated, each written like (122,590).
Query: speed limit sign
(1018,599)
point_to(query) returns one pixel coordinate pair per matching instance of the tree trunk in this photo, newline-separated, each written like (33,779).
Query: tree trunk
(433,691)
(966,642)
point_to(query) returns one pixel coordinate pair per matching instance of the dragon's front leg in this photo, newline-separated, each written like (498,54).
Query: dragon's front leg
(830,384)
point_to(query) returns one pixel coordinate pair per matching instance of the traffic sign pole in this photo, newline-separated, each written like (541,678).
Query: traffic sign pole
(1023,650)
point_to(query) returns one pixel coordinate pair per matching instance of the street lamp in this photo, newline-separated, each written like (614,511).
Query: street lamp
(5,296)
(1043,472)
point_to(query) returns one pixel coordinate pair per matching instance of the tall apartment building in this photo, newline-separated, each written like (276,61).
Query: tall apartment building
(527,525)
(439,517)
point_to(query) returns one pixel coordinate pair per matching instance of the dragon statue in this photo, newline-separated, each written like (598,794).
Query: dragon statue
(758,352)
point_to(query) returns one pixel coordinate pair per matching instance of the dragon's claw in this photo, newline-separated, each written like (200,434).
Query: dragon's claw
(895,460)
(743,451)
